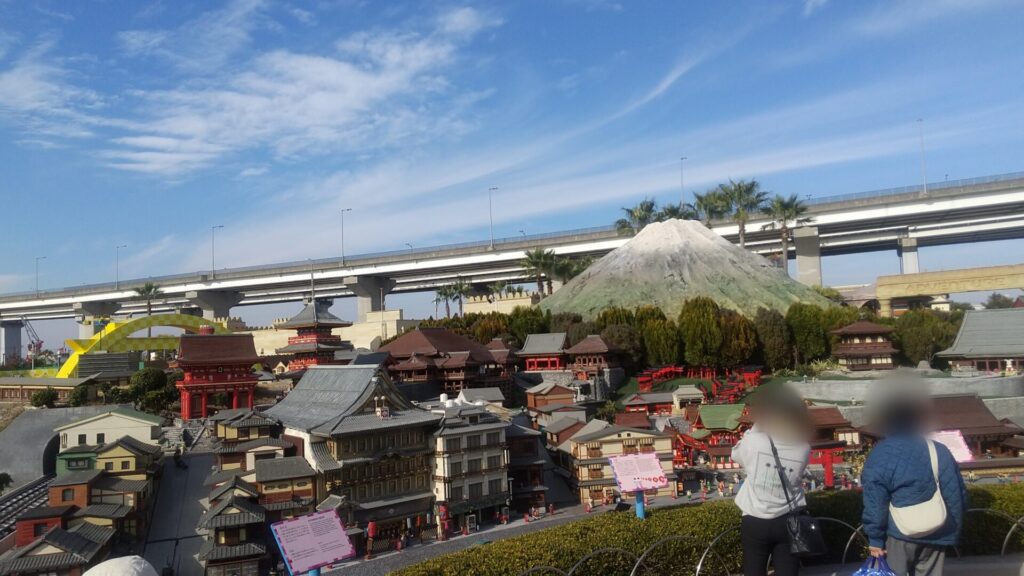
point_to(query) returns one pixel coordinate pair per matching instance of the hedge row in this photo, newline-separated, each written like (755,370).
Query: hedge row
(694,526)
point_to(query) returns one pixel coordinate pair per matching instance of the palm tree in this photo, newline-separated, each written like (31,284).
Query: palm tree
(497,288)
(148,291)
(438,298)
(460,291)
(445,294)
(681,211)
(741,199)
(709,206)
(785,212)
(537,263)
(637,217)
(568,268)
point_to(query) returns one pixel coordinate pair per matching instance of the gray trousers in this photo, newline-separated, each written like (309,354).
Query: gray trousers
(907,558)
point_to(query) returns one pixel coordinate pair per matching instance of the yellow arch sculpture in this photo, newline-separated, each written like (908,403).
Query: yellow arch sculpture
(115,337)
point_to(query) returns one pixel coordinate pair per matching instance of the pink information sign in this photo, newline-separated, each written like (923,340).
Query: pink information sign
(312,541)
(638,472)
(954,440)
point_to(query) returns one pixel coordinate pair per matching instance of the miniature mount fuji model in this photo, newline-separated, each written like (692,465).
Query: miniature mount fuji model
(670,262)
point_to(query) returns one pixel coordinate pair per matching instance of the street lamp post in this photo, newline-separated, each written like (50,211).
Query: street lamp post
(490,211)
(924,171)
(213,250)
(117,265)
(38,258)
(682,182)
(343,210)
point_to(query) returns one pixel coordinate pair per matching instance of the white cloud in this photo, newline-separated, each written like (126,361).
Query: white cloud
(253,171)
(812,6)
(898,15)
(206,43)
(37,93)
(55,14)
(383,88)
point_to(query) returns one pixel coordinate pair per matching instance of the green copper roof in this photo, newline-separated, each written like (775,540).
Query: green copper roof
(721,416)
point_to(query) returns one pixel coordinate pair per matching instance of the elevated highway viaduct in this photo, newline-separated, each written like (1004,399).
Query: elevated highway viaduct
(902,219)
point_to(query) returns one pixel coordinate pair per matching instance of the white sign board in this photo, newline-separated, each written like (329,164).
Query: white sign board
(638,472)
(954,440)
(312,541)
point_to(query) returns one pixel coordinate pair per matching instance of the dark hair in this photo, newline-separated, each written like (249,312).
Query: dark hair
(900,415)
(783,402)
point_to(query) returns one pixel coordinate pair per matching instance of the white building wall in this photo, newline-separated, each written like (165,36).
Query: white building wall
(112,426)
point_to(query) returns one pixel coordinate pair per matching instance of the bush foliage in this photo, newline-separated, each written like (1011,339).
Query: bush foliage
(695,525)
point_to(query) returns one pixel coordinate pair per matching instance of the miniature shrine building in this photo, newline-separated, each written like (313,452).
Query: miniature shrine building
(865,345)
(989,341)
(544,352)
(214,364)
(591,357)
(314,342)
(449,362)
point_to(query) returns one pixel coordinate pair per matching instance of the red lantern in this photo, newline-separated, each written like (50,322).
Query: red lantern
(371,528)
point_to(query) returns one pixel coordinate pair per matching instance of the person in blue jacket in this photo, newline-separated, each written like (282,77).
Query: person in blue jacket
(898,471)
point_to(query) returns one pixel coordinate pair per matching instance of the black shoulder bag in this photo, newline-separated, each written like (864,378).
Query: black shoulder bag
(805,539)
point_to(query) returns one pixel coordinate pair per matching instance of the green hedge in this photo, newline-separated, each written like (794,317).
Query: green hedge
(563,546)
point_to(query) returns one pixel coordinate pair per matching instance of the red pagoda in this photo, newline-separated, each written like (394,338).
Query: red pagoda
(214,364)
(314,343)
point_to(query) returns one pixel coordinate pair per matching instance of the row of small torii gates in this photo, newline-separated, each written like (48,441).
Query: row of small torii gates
(736,382)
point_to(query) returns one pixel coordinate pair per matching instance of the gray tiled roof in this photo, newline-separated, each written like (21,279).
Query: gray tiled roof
(649,398)
(561,424)
(273,469)
(249,513)
(235,483)
(44,512)
(537,344)
(328,401)
(80,545)
(485,394)
(240,447)
(104,511)
(77,477)
(324,393)
(314,314)
(325,462)
(218,476)
(989,334)
(210,551)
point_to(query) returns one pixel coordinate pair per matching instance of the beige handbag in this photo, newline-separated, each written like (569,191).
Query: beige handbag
(922,519)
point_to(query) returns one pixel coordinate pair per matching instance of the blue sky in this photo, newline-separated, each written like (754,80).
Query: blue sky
(144,125)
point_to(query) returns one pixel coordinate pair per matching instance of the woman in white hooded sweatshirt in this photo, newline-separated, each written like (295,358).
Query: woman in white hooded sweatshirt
(780,417)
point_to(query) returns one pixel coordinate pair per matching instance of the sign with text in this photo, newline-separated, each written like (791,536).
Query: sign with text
(954,440)
(312,541)
(638,472)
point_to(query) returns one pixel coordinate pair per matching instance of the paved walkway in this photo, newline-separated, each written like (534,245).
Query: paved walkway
(1012,565)
(173,540)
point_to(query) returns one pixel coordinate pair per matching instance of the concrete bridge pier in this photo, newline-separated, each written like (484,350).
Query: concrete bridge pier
(10,340)
(808,255)
(370,292)
(907,251)
(87,312)
(214,303)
